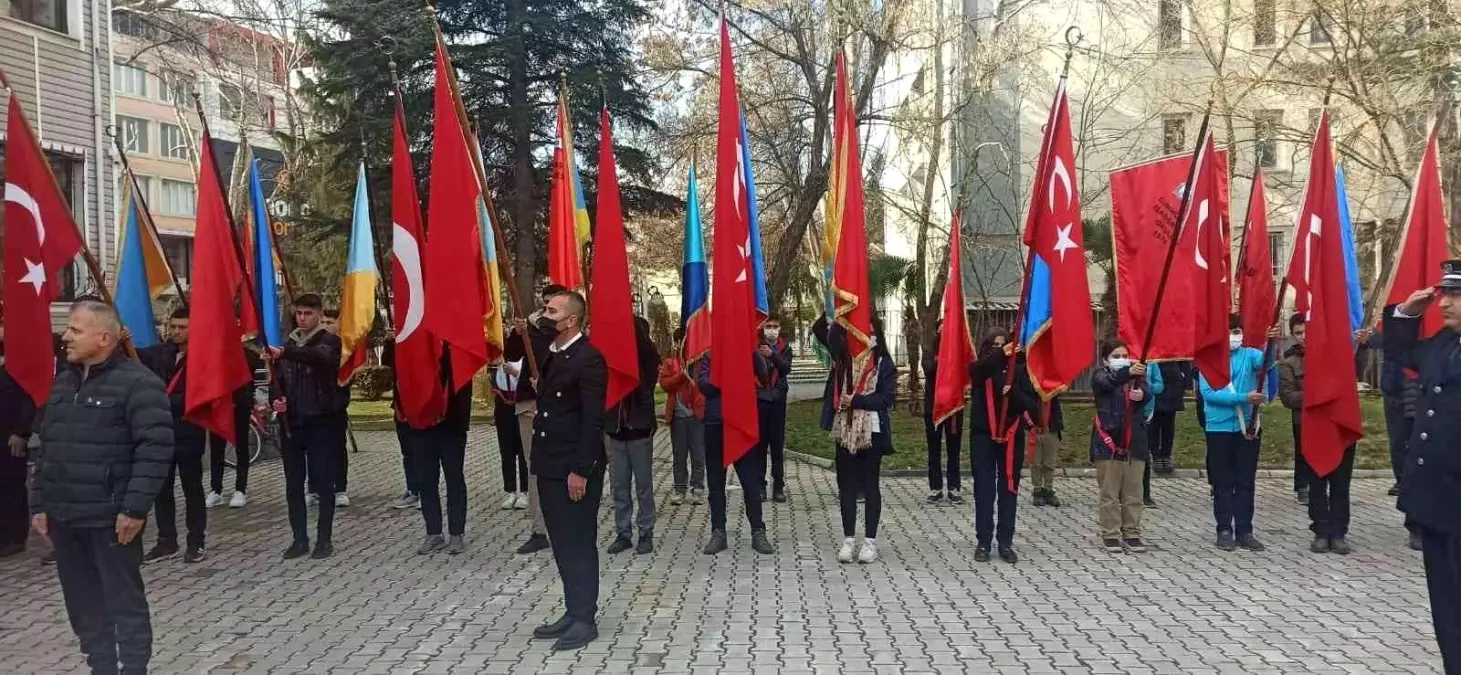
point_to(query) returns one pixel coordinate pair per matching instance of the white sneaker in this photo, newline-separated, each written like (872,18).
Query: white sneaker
(510,503)
(847,553)
(342,499)
(869,552)
(521,502)
(239,500)
(214,499)
(311,499)
(677,498)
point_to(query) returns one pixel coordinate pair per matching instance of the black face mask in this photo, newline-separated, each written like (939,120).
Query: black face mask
(548,326)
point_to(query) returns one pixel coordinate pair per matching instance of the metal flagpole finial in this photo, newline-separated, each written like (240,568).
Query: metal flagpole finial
(1073,37)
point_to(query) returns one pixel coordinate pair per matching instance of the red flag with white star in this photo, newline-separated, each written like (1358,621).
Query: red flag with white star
(41,239)
(1212,299)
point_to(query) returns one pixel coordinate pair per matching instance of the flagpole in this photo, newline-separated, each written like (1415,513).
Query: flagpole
(91,265)
(144,212)
(1151,327)
(508,275)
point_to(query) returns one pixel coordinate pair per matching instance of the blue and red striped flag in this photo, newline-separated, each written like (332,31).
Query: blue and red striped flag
(694,280)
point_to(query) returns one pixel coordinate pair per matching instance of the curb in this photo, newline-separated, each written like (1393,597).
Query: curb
(1090,472)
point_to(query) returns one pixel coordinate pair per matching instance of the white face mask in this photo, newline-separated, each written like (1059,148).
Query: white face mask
(771,335)
(1235,341)
(1118,364)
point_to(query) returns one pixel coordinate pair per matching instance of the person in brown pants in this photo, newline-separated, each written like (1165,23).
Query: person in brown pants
(1124,394)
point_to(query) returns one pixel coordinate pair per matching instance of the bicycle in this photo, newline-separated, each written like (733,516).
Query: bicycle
(261,434)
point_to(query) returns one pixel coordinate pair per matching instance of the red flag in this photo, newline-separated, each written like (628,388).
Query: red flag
(215,365)
(1145,199)
(1331,414)
(951,383)
(456,298)
(1212,300)
(850,295)
(1424,244)
(1058,330)
(613,319)
(1257,294)
(733,303)
(420,396)
(41,239)
(563,261)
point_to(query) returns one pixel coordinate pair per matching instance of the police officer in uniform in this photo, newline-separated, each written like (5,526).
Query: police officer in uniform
(1428,493)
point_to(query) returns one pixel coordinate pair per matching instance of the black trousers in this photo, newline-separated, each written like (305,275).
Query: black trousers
(1232,464)
(1443,578)
(573,530)
(857,474)
(943,439)
(101,582)
(1328,496)
(310,450)
(991,467)
(187,467)
(410,441)
(216,444)
(772,418)
(1161,432)
(510,446)
(342,452)
(14,500)
(443,451)
(1303,473)
(1397,428)
(750,468)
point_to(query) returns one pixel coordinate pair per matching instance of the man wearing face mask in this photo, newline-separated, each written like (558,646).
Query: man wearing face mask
(527,333)
(568,461)
(1233,442)
(771,389)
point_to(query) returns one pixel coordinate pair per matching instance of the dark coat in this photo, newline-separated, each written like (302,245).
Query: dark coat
(634,417)
(568,429)
(1178,378)
(162,359)
(1291,380)
(307,376)
(1117,417)
(514,349)
(712,392)
(17,410)
(773,386)
(1430,483)
(106,445)
(879,400)
(987,376)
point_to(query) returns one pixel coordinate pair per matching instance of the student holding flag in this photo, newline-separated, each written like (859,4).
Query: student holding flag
(1125,393)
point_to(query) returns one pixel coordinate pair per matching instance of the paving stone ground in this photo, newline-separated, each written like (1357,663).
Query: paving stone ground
(926,607)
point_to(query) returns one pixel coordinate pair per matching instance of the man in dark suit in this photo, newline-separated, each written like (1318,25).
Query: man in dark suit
(1428,494)
(166,361)
(568,461)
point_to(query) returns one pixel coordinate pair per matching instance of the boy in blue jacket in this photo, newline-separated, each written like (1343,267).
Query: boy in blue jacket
(1233,441)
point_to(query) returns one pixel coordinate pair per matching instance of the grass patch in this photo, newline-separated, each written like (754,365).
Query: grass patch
(803,434)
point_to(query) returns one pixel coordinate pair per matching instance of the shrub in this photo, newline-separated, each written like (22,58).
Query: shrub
(372,383)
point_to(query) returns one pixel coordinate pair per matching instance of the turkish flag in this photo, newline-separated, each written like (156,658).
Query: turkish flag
(613,318)
(41,239)
(733,303)
(1211,297)
(215,365)
(1424,244)
(1257,294)
(951,383)
(420,397)
(457,297)
(1331,413)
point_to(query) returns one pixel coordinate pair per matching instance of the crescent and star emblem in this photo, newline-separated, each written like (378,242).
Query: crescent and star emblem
(35,272)
(408,255)
(1201,221)
(1060,174)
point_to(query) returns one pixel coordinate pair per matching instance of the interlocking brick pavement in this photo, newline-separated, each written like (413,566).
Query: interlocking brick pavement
(926,607)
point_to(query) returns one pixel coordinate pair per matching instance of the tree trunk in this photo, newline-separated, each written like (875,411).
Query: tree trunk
(924,305)
(523,205)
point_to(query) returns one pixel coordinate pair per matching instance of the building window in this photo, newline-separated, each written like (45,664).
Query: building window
(178,199)
(1169,24)
(171,141)
(174,87)
(1275,254)
(134,134)
(1265,23)
(44,13)
(1174,134)
(144,188)
(179,254)
(230,103)
(1265,131)
(1321,28)
(130,80)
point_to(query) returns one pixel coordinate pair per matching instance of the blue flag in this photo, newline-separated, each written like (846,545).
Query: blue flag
(264,263)
(758,259)
(142,273)
(1351,262)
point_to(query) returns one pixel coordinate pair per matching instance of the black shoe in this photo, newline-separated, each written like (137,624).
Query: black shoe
(1134,544)
(552,631)
(1341,546)
(1225,541)
(323,550)
(1039,497)
(716,544)
(1302,496)
(934,497)
(1320,544)
(764,497)
(1251,543)
(576,637)
(298,549)
(1007,554)
(981,554)
(1112,545)
(779,495)
(1051,499)
(620,545)
(50,558)
(1394,490)
(955,498)
(1149,502)
(646,545)
(1415,543)
(161,551)
(760,544)
(535,543)
(194,554)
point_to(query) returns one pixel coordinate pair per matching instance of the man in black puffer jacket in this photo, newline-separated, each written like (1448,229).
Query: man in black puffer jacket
(106,446)
(166,360)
